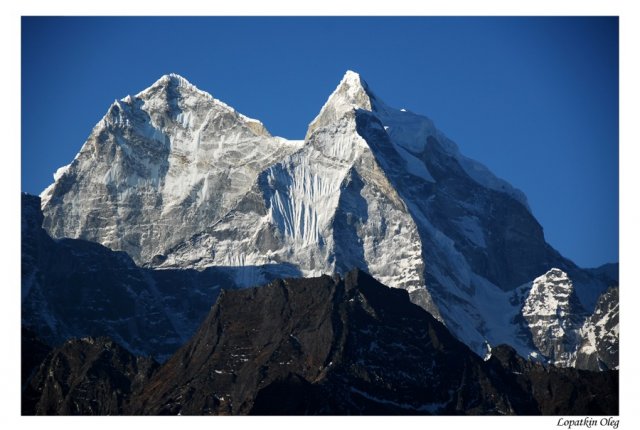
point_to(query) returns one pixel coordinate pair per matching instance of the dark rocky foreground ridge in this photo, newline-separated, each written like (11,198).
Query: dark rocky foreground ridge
(313,346)
(90,376)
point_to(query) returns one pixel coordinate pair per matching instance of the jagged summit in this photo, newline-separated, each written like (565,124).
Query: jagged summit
(556,274)
(351,93)
(176,92)
(356,90)
(172,81)
(353,90)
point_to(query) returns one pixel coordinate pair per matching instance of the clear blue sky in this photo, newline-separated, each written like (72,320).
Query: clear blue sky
(535,99)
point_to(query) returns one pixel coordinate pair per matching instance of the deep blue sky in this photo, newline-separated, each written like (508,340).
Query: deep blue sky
(535,99)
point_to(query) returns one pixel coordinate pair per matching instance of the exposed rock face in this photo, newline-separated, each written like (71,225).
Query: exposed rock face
(600,335)
(90,376)
(554,316)
(352,346)
(179,180)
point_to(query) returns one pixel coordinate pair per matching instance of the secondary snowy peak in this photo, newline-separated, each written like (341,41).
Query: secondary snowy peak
(554,317)
(560,329)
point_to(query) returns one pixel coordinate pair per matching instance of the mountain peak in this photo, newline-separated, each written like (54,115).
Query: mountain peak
(554,274)
(353,79)
(351,93)
(172,83)
(174,80)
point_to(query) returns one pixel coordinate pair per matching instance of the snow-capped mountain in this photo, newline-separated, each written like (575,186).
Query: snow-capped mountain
(178,179)
(159,167)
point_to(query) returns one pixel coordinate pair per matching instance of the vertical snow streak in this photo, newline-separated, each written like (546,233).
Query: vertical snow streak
(303,200)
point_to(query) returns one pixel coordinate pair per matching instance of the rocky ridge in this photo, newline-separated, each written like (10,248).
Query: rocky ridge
(326,345)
